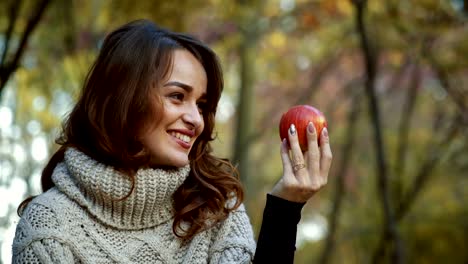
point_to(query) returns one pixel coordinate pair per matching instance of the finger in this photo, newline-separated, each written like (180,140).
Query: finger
(326,153)
(313,155)
(287,168)
(297,163)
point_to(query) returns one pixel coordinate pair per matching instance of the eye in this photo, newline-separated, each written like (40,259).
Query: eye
(177,96)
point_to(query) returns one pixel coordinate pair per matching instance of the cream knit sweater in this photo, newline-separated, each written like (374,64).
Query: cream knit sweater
(80,220)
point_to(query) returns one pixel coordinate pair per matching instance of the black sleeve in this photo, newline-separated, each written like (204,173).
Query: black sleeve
(277,239)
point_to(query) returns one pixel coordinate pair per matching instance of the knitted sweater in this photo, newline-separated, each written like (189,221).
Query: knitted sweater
(82,220)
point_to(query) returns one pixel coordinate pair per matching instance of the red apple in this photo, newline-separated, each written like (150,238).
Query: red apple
(300,116)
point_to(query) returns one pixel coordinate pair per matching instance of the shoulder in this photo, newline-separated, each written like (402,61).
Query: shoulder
(238,217)
(235,231)
(41,211)
(233,241)
(47,206)
(40,219)
(41,232)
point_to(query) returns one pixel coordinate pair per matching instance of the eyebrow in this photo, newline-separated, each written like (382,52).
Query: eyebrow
(184,86)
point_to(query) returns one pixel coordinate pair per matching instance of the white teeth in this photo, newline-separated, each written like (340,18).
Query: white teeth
(182,137)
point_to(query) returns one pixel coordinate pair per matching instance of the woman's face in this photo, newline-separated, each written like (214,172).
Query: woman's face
(182,94)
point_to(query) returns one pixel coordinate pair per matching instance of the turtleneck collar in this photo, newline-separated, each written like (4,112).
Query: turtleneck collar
(100,188)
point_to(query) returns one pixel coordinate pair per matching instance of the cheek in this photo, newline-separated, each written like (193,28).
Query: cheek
(146,140)
(151,134)
(202,127)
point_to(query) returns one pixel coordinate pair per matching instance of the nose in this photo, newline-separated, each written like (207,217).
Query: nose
(192,116)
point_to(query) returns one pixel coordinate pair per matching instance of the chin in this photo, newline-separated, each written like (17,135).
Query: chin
(178,161)
(174,162)
(179,164)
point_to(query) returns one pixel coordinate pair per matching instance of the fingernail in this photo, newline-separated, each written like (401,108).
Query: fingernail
(292,129)
(311,127)
(325,132)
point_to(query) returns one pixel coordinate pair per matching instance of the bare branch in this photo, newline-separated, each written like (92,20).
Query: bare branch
(433,159)
(14,10)
(423,175)
(305,95)
(403,131)
(8,68)
(457,97)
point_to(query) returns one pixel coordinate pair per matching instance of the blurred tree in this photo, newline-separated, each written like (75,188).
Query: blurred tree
(276,54)
(13,45)
(249,34)
(370,58)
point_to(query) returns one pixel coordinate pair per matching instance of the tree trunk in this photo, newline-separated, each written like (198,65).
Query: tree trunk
(244,111)
(346,154)
(390,227)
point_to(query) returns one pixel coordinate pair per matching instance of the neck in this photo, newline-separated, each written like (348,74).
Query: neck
(107,194)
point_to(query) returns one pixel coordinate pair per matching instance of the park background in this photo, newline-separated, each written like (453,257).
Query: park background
(391,77)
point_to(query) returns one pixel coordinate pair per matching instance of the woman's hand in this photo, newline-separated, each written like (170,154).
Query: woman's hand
(306,173)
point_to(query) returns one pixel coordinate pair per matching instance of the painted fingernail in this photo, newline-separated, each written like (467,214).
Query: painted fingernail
(325,132)
(311,128)
(292,129)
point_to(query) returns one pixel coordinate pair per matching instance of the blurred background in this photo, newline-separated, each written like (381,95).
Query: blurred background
(390,76)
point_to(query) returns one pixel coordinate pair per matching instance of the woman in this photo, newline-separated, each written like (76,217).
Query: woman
(134,180)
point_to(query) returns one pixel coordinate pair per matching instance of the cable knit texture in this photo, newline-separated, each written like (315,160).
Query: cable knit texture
(84,219)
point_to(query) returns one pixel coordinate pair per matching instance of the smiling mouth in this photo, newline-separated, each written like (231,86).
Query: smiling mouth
(182,137)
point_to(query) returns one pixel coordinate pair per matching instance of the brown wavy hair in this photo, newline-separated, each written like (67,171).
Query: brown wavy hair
(116,103)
